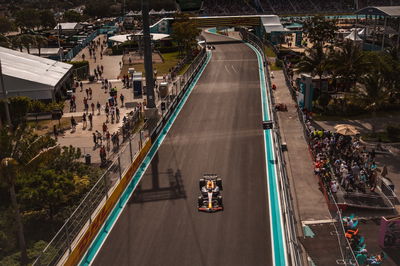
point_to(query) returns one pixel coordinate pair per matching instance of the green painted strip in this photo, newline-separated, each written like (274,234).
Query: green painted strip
(277,236)
(117,210)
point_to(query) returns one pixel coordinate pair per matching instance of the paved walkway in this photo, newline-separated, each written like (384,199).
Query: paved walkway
(310,201)
(82,136)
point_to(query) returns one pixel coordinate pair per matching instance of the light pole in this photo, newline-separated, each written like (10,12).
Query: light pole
(148,62)
(4,95)
(59,42)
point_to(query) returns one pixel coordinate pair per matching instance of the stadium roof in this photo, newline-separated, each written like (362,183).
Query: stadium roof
(386,11)
(32,68)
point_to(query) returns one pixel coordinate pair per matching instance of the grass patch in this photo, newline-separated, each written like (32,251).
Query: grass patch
(269,52)
(170,60)
(43,127)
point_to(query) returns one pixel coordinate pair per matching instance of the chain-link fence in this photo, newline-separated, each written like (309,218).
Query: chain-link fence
(133,137)
(289,219)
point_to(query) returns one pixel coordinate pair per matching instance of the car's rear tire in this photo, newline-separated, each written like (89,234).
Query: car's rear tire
(200,201)
(219,183)
(219,199)
(202,183)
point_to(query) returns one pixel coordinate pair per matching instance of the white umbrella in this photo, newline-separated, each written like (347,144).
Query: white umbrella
(347,130)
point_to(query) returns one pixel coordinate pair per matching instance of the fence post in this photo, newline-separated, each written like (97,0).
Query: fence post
(119,167)
(68,238)
(105,185)
(130,149)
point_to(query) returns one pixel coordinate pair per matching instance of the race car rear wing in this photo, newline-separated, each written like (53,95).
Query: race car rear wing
(210,175)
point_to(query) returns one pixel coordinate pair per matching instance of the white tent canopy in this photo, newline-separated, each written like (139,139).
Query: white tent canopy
(272,23)
(32,76)
(353,36)
(126,37)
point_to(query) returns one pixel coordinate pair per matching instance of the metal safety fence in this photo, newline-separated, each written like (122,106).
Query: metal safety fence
(83,216)
(289,218)
(348,257)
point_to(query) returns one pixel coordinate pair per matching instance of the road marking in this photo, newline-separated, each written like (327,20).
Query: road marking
(227,70)
(102,235)
(326,221)
(279,253)
(234,69)
(235,60)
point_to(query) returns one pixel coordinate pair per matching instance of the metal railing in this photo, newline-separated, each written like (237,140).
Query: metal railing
(73,229)
(348,256)
(289,218)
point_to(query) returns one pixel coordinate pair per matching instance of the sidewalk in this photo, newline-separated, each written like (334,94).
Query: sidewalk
(309,200)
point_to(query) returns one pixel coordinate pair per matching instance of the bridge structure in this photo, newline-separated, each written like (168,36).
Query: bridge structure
(265,26)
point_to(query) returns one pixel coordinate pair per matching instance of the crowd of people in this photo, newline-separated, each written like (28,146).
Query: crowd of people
(342,161)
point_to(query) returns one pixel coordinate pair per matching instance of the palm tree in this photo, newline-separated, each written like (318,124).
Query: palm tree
(17,43)
(28,40)
(4,41)
(314,62)
(374,94)
(348,62)
(19,152)
(40,42)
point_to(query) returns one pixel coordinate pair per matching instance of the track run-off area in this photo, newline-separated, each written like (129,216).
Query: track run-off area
(218,130)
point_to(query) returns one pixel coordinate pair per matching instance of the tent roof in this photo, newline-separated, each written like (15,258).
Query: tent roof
(353,36)
(125,37)
(272,23)
(32,68)
(386,11)
(68,26)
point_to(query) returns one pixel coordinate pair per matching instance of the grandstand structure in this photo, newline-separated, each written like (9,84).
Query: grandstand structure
(279,7)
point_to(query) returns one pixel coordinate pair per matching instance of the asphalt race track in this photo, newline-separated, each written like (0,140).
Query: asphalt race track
(217,131)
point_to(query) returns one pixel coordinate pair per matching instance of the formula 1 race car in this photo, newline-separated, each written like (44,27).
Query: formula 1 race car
(210,199)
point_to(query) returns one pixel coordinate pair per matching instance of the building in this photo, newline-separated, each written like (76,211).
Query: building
(33,76)
(54,53)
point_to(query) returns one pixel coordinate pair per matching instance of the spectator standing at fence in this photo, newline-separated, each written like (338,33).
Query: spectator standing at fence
(94,57)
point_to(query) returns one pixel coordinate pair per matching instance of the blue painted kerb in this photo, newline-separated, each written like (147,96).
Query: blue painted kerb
(279,256)
(110,221)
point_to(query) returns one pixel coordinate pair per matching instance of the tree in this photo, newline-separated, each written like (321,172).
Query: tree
(19,106)
(97,8)
(20,152)
(4,41)
(348,62)
(28,40)
(40,41)
(320,30)
(47,20)
(185,31)
(27,19)
(5,25)
(72,16)
(314,62)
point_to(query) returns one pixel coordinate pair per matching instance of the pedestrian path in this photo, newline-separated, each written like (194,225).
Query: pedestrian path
(311,204)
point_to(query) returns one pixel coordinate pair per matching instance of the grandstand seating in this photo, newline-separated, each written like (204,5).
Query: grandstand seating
(246,7)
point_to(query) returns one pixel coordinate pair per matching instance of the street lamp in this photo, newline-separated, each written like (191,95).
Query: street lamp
(59,42)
